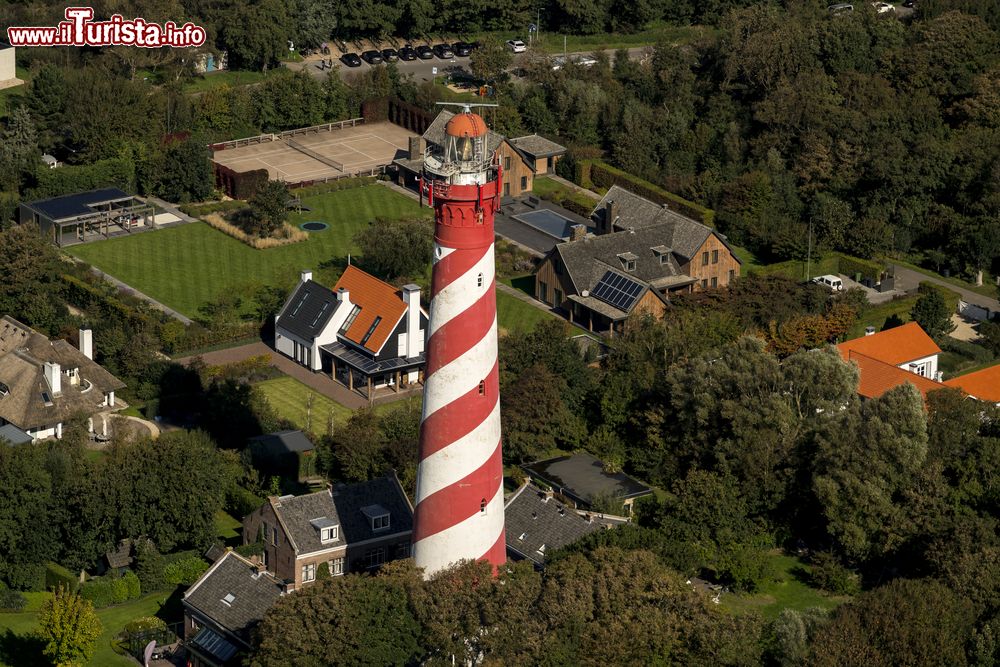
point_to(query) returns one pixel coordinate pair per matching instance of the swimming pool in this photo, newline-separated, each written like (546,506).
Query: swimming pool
(548,222)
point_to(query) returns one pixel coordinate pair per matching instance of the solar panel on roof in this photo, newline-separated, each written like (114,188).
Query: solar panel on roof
(616,290)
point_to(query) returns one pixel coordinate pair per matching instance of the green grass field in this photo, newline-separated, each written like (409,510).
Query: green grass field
(514,315)
(190,265)
(203,82)
(786,592)
(18,648)
(552,42)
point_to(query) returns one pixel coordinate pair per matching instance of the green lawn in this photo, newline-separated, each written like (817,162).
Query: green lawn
(203,82)
(228,528)
(877,315)
(288,397)
(552,42)
(786,592)
(17,647)
(516,315)
(544,186)
(10,97)
(187,266)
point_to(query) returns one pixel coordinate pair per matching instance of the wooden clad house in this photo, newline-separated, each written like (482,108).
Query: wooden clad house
(641,254)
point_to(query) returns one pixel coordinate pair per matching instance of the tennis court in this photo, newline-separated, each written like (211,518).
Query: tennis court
(294,157)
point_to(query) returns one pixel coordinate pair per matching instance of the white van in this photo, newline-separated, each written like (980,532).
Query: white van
(833,282)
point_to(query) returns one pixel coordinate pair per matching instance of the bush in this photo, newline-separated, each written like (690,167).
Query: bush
(56,575)
(323,571)
(250,550)
(240,501)
(99,591)
(149,568)
(11,600)
(132,585)
(25,576)
(119,590)
(980,354)
(829,575)
(186,570)
(143,624)
(285,235)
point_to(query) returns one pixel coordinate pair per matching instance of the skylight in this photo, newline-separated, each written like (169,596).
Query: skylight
(229,599)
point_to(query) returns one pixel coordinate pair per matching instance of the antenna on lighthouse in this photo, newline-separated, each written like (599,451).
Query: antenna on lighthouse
(466,106)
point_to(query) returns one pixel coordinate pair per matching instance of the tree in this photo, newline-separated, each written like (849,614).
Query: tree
(931,312)
(396,248)
(18,149)
(187,172)
(70,628)
(256,36)
(535,418)
(269,208)
(490,61)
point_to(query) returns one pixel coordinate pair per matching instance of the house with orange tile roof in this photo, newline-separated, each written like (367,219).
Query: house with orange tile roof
(877,377)
(364,332)
(907,347)
(983,385)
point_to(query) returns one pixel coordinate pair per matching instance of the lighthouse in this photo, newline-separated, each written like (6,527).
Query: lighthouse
(459,502)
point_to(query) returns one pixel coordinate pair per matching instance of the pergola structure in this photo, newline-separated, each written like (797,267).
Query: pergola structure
(357,370)
(87,216)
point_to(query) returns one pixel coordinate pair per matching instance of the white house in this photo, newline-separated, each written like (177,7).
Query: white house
(8,73)
(43,382)
(364,332)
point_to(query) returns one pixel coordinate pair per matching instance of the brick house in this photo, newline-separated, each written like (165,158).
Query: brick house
(350,527)
(522,158)
(641,254)
(222,609)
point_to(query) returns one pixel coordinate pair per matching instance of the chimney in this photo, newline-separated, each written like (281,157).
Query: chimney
(611,215)
(305,276)
(53,376)
(414,336)
(869,331)
(415,147)
(578,232)
(87,343)
(344,295)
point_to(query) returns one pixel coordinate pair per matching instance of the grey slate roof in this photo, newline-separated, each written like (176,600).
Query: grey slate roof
(13,435)
(23,353)
(582,477)
(286,441)
(253,592)
(308,310)
(537,146)
(589,258)
(436,134)
(682,234)
(536,525)
(344,506)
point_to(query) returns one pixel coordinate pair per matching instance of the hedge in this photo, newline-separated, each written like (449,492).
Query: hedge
(603,175)
(185,570)
(333,186)
(109,589)
(249,550)
(113,172)
(56,575)
(951,298)
(198,210)
(851,266)
(84,296)
(240,501)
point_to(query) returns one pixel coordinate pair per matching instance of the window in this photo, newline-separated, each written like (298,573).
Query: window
(482,387)
(559,297)
(350,318)
(337,566)
(506,163)
(630,265)
(380,522)
(274,536)
(557,266)
(506,188)
(371,330)
(704,284)
(375,557)
(309,572)
(704,258)
(403,550)
(479,280)
(715,257)
(482,506)
(732,274)
(543,292)
(715,282)
(664,258)
(330,534)
(524,183)
(541,550)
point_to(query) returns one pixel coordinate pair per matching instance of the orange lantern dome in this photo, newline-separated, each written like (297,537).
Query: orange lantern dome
(466,124)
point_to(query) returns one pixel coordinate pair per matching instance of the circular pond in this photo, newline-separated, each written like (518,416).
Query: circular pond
(314,226)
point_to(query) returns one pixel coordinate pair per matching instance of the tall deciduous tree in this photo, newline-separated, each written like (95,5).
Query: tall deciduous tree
(269,208)
(70,628)
(396,248)
(931,312)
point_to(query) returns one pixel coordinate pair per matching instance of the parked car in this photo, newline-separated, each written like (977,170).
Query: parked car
(833,282)
(462,49)
(425,52)
(407,53)
(351,60)
(372,57)
(516,45)
(883,7)
(584,61)
(390,55)
(840,7)
(443,51)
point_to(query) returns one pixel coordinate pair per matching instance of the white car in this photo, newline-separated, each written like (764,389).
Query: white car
(883,7)
(583,60)
(517,46)
(833,282)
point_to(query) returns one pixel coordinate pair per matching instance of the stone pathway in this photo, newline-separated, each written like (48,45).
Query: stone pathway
(171,208)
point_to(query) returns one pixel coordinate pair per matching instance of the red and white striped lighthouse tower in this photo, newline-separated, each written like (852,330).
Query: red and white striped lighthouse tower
(459,510)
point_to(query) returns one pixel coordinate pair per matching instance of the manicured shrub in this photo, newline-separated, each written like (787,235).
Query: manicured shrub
(119,590)
(185,570)
(132,585)
(149,568)
(11,600)
(99,591)
(56,575)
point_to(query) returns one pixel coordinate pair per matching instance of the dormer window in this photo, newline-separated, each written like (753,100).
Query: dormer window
(4,390)
(378,516)
(662,253)
(628,260)
(329,530)
(330,534)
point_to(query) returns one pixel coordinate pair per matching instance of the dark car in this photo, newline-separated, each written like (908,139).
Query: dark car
(351,60)
(390,55)
(443,51)
(462,49)
(407,53)
(425,52)
(372,57)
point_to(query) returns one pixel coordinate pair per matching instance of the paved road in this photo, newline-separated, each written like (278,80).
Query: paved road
(908,279)
(423,70)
